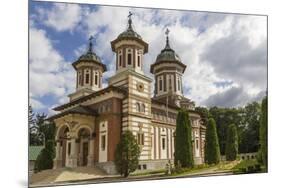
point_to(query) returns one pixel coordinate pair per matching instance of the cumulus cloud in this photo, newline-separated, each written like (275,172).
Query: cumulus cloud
(49,73)
(225,54)
(61,16)
(233,97)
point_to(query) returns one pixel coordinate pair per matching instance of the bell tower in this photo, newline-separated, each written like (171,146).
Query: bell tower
(89,70)
(168,70)
(129,48)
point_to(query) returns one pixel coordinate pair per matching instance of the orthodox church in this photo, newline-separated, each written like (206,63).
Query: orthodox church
(90,125)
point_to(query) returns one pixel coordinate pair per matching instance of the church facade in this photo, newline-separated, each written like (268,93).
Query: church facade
(90,125)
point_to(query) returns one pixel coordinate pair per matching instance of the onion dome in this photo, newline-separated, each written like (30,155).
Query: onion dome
(90,56)
(129,34)
(167,55)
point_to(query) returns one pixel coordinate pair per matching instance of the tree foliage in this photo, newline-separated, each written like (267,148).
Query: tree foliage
(263,132)
(127,154)
(246,120)
(45,158)
(40,130)
(231,149)
(212,148)
(224,117)
(204,113)
(249,132)
(183,140)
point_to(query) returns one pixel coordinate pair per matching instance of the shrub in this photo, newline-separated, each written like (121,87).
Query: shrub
(127,154)
(45,158)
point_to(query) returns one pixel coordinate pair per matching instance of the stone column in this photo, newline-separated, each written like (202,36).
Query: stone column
(58,158)
(73,153)
(91,153)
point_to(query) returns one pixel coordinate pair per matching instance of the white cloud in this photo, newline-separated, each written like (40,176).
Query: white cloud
(61,16)
(36,104)
(193,36)
(50,74)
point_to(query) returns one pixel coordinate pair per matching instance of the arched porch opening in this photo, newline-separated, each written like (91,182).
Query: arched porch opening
(61,138)
(83,146)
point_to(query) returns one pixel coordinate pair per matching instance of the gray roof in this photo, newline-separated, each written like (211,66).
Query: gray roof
(129,33)
(90,56)
(168,54)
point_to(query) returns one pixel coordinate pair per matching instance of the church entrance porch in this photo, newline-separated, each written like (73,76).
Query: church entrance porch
(74,145)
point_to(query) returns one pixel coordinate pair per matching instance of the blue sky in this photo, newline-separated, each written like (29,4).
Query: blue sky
(225,54)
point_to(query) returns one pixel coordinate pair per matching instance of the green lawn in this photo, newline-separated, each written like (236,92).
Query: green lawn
(248,166)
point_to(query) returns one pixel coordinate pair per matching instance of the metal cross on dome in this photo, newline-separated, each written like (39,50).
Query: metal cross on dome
(91,38)
(167,32)
(90,43)
(130,14)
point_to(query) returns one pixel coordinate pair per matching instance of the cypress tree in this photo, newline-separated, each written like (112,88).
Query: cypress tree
(231,149)
(212,149)
(183,143)
(263,132)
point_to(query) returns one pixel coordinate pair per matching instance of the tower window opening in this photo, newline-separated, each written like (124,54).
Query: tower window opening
(160,84)
(170,83)
(79,78)
(87,80)
(179,88)
(120,58)
(96,78)
(129,59)
(163,143)
(138,61)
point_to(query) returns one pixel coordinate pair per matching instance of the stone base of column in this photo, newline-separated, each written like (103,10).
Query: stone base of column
(72,162)
(90,160)
(57,163)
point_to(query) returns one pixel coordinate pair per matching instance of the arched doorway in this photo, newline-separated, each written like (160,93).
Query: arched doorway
(83,142)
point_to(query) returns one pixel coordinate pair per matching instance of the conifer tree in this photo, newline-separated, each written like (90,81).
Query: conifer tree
(212,149)
(231,149)
(183,142)
(263,132)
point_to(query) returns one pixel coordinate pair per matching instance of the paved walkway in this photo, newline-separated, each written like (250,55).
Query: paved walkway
(86,175)
(66,174)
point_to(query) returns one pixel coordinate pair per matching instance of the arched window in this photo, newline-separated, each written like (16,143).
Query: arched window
(160,83)
(139,55)
(138,107)
(87,77)
(179,84)
(80,78)
(129,56)
(170,83)
(96,77)
(120,58)
(143,108)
